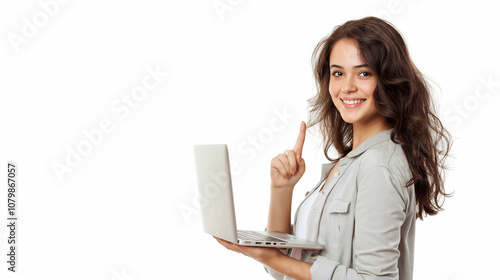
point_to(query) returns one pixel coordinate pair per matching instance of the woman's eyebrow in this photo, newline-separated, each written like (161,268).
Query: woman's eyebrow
(357,66)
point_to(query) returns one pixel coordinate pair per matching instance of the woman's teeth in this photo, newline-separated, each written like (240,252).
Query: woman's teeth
(353,101)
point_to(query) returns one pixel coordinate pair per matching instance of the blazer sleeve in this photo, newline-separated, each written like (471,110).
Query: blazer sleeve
(379,215)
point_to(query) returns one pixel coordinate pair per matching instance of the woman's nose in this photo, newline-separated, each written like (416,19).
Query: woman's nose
(349,85)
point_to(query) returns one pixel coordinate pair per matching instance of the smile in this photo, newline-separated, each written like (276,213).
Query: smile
(351,102)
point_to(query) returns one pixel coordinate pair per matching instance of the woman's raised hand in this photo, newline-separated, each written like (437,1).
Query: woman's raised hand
(287,168)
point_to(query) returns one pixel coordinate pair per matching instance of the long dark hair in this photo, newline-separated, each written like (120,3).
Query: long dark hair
(402,97)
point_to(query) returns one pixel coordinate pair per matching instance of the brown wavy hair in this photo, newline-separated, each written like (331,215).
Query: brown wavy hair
(402,96)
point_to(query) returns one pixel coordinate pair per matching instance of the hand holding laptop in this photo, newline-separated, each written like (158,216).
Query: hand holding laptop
(288,168)
(260,254)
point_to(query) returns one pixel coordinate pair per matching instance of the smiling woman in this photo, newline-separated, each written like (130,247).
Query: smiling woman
(374,107)
(382,72)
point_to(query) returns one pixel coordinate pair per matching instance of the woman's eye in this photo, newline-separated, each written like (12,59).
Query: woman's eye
(364,74)
(336,74)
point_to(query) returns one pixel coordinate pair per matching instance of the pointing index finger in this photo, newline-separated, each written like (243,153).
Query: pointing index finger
(300,140)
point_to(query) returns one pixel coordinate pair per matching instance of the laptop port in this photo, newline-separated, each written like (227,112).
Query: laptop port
(268,243)
(258,242)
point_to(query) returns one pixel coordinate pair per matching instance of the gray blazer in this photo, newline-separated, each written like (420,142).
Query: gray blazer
(365,216)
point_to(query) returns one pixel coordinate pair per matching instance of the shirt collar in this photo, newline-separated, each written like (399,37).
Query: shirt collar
(370,142)
(325,169)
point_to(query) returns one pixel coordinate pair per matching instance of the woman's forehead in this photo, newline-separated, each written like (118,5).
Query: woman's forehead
(346,53)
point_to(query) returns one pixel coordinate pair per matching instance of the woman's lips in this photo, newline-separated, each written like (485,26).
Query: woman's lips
(352,103)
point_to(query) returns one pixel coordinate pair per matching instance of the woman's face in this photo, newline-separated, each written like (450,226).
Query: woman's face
(352,84)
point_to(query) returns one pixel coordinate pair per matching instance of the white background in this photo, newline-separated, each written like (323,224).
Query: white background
(127,210)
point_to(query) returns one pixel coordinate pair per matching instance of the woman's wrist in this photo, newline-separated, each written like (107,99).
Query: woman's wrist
(281,190)
(280,211)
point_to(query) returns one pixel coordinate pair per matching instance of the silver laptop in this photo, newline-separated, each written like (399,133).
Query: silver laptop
(217,205)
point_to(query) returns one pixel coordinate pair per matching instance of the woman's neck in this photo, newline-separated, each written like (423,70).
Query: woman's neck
(362,132)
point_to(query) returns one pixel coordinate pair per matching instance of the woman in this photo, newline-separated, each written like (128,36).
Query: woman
(374,107)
